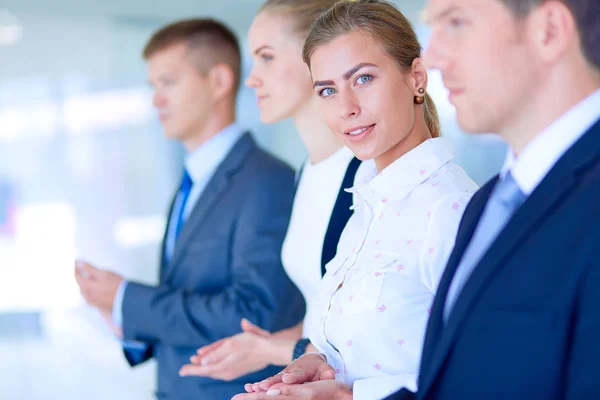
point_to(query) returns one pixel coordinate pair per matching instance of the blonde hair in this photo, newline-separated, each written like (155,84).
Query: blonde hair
(386,24)
(302,13)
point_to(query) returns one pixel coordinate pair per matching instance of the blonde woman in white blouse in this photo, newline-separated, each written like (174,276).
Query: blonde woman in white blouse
(375,297)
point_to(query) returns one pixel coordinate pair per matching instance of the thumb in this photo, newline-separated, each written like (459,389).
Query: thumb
(87,270)
(249,327)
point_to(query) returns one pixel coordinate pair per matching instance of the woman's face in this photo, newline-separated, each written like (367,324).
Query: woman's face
(367,100)
(280,78)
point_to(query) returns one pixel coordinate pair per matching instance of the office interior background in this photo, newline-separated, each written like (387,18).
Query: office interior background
(85,172)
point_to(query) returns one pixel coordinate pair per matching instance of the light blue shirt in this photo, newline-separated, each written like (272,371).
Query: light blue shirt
(201,165)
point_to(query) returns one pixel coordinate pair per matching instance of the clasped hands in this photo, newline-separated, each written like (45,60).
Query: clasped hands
(309,378)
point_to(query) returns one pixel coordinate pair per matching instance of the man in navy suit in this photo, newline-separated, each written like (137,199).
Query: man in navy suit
(220,258)
(517,313)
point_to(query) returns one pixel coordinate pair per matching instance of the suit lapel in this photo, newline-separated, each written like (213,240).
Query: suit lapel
(465,233)
(163,247)
(551,192)
(211,195)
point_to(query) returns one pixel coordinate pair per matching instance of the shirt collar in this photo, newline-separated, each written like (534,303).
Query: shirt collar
(540,155)
(406,173)
(210,154)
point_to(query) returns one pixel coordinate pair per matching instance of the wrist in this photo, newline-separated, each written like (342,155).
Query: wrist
(280,351)
(345,393)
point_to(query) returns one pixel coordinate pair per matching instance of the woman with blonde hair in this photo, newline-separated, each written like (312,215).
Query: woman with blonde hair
(321,206)
(374,301)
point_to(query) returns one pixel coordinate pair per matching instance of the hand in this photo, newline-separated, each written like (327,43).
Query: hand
(230,358)
(107,317)
(308,368)
(322,390)
(98,287)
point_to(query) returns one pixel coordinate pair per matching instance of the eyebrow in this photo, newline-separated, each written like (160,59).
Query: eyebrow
(439,15)
(347,75)
(262,48)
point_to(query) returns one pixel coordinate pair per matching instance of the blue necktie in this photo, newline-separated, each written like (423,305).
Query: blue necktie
(184,193)
(506,198)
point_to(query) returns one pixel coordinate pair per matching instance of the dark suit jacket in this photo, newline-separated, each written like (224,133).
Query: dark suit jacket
(527,323)
(226,266)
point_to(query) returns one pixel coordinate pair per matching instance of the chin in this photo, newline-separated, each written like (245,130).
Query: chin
(472,125)
(271,118)
(361,154)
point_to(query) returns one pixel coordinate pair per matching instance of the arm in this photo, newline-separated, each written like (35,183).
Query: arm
(581,369)
(258,284)
(135,352)
(244,353)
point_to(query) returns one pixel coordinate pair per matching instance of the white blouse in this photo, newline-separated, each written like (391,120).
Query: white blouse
(375,298)
(316,194)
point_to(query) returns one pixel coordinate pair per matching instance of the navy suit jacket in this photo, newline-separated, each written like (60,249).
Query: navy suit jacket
(226,266)
(527,323)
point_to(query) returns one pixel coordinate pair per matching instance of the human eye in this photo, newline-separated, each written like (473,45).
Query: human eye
(266,57)
(327,92)
(362,79)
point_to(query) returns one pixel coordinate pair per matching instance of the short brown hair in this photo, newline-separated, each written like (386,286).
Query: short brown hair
(386,24)
(587,17)
(212,39)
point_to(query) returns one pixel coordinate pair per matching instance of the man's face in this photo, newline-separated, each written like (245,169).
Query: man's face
(483,53)
(182,94)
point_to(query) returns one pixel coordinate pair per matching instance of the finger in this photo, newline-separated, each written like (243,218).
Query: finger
(295,376)
(87,270)
(205,350)
(218,355)
(259,396)
(249,327)
(79,278)
(283,389)
(198,370)
(267,383)
(326,375)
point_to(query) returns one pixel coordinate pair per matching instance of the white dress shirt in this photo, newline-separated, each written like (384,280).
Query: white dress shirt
(316,194)
(375,298)
(544,151)
(201,165)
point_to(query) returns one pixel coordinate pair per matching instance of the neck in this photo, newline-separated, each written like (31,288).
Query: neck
(314,132)
(218,121)
(417,135)
(562,90)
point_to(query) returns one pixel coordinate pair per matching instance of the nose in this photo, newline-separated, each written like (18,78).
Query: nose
(349,105)
(433,58)
(252,81)
(158,100)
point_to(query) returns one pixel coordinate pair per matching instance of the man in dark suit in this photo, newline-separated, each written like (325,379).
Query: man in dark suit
(220,258)
(516,312)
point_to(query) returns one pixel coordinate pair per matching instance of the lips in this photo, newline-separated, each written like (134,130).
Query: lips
(261,98)
(454,92)
(358,133)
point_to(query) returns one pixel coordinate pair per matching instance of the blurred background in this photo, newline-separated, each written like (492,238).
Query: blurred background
(85,172)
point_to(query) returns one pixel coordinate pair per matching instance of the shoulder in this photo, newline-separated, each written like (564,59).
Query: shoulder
(261,162)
